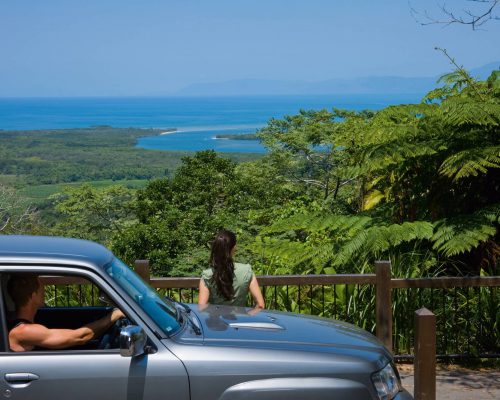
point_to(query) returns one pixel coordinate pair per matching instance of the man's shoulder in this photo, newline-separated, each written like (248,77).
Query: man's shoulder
(14,323)
(27,328)
(26,336)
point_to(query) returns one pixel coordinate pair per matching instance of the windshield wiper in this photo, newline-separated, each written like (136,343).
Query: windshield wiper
(187,309)
(184,306)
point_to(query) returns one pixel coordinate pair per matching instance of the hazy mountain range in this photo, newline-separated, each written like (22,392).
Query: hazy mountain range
(362,85)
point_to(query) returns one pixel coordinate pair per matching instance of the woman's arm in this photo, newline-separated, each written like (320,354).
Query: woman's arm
(204,293)
(254,288)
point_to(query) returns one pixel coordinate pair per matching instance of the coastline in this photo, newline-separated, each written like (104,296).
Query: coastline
(168,132)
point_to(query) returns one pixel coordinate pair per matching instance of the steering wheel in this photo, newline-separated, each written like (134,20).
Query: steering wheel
(111,338)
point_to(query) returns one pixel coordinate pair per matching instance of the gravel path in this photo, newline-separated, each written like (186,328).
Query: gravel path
(456,383)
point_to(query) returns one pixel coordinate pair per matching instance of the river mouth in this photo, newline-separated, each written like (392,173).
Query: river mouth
(220,139)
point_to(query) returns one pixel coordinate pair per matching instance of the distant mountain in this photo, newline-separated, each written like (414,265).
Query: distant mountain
(484,71)
(363,85)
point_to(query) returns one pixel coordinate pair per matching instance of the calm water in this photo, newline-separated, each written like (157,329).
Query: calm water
(197,119)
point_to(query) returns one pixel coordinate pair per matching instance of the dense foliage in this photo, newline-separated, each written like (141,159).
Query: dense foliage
(85,154)
(421,177)
(337,190)
(170,221)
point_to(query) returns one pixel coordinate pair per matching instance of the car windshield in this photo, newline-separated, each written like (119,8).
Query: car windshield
(162,311)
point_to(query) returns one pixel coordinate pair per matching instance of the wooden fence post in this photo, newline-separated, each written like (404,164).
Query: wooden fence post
(425,355)
(142,269)
(383,302)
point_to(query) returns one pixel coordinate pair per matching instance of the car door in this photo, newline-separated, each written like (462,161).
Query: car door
(92,374)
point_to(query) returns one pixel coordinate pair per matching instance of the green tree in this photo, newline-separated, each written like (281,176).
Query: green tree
(307,149)
(16,214)
(94,214)
(177,217)
(427,175)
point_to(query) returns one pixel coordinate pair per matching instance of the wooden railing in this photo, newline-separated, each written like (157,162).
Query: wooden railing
(433,292)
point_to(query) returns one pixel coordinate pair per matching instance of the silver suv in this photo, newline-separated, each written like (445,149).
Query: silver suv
(169,350)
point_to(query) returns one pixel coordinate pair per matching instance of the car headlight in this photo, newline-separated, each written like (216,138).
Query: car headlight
(386,382)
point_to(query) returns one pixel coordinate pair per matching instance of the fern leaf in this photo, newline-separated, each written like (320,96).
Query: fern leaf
(471,162)
(372,199)
(458,235)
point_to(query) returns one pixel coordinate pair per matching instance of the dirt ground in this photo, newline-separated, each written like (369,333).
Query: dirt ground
(453,382)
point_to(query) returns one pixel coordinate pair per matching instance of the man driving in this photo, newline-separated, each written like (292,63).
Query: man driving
(28,295)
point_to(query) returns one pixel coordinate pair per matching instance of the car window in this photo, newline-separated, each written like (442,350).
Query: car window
(69,302)
(71,291)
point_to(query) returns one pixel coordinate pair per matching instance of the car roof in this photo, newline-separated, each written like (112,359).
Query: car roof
(57,249)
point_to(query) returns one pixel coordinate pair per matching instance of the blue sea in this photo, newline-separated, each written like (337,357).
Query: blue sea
(197,119)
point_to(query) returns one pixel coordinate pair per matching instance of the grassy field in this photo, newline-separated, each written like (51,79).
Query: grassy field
(11,180)
(41,163)
(37,193)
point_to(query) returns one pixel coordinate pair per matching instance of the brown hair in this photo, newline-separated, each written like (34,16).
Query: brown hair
(21,287)
(222,264)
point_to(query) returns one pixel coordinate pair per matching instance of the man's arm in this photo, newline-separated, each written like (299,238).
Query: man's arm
(27,336)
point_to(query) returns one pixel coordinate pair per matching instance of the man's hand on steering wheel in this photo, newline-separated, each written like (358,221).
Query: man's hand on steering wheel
(110,338)
(116,314)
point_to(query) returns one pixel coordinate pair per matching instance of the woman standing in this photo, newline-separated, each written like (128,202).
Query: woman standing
(227,282)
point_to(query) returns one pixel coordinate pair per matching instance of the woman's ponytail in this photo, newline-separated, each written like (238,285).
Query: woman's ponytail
(221,261)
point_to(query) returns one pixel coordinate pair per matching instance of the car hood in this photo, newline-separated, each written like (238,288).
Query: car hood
(243,327)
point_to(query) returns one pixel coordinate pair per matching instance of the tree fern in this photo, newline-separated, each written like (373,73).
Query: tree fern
(422,175)
(471,162)
(382,156)
(464,111)
(341,238)
(461,234)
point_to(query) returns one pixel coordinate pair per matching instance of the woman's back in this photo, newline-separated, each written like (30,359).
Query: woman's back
(227,282)
(242,277)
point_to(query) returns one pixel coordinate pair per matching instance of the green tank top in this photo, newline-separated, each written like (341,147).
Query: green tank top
(241,281)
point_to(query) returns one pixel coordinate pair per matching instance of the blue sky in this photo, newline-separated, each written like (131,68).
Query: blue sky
(147,47)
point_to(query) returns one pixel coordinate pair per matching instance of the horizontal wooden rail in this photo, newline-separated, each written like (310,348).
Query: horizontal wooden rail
(64,280)
(342,279)
(445,282)
(175,283)
(339,279)
(274,280)
(304,280)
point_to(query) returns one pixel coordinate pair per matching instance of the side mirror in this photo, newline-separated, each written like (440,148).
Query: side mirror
(132,341)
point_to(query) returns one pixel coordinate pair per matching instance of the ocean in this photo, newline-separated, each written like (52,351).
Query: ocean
(197,119)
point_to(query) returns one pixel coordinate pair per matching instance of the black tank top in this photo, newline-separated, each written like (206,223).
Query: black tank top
(16,322)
